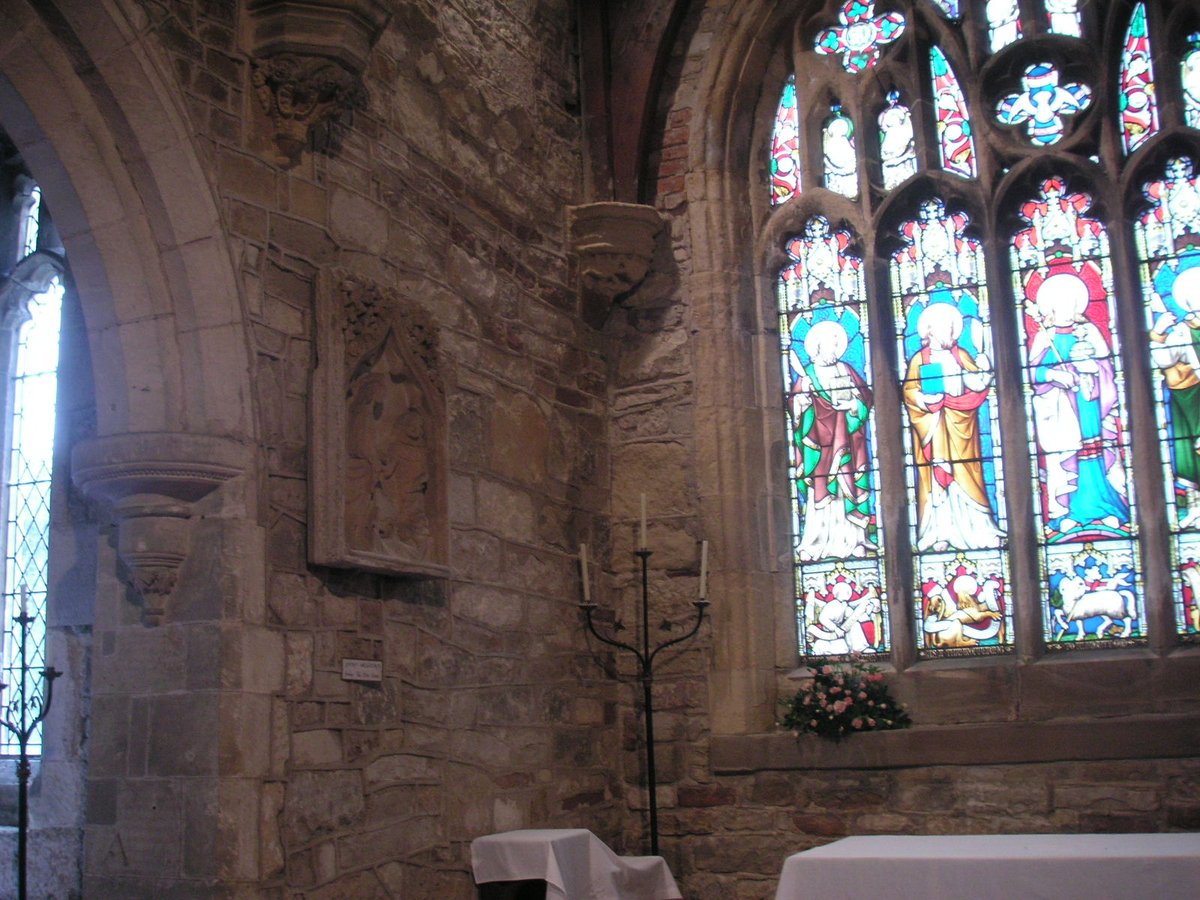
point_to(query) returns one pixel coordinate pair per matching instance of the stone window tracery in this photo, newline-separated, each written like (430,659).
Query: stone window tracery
(1023,277)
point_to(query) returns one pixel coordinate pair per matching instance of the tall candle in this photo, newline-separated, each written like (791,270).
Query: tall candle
(583,568)
(703,569)
(642,533)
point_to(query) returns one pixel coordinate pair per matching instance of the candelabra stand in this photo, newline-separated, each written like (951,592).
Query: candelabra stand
(22,715)
(645,660)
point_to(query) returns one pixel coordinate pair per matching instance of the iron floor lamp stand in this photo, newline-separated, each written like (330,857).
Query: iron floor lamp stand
(22,714)
(645,673)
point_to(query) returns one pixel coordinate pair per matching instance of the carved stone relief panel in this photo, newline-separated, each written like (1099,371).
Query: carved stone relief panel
(378,480)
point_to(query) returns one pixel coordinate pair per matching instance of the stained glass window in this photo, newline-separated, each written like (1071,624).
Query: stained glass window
(1062,277)
(785,147)
(1139,108)
(897,150)
(1042,103)
(830,419)
(1168,240)
(1063,17)
(1189,74)
(861,35)
(956,143)
(29,222)
(1004,23)
(948,8)
(841,162)
(943,328)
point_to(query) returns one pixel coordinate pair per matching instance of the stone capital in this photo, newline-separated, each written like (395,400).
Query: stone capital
(614,243)
(308,59)
(151,483)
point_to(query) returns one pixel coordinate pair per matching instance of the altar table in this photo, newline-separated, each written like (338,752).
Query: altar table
(983,867)
(574,863)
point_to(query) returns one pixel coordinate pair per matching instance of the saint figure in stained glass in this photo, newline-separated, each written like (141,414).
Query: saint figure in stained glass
(843,617)
(861,35)
(785,147)
(897,151)
(1189,75)
(1042,103)
(841,163)
(956,144)
(1063,16)
(1139,108)
(1004,23)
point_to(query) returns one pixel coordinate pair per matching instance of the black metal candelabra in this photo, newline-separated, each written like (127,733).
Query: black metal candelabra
(21,716)
(645,659)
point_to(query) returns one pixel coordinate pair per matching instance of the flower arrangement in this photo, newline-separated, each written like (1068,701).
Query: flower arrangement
(844,698)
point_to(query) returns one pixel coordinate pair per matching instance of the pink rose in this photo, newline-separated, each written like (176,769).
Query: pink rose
(856,723)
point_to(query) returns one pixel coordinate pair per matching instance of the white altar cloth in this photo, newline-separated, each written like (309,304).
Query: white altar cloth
(983,867)
(574,863)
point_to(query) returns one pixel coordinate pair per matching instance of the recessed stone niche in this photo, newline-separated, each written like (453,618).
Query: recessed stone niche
(379,452)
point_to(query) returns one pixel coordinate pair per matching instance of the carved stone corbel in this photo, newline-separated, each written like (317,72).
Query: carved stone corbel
(614,243)
(308,58)
(151,482)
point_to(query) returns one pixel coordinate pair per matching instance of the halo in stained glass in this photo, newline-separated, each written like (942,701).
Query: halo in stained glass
(785,147)
(1137,101)
(956,143)
(1042,103)
(1004,23)
(1168,241)
(897,148)
(943,332)
(841,607)
(861,35)
(1189,76)
(1063,17)
(1074,397)
(838,153)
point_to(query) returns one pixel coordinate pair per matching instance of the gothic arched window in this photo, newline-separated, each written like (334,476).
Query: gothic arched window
(31,297)
(990,326)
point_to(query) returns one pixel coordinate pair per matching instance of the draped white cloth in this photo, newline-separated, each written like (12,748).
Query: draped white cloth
(998,867)
(574,863)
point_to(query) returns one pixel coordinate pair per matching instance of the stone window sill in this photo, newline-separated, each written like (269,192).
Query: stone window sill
(1121,737)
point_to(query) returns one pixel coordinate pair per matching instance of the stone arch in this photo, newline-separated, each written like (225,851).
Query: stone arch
(81,97)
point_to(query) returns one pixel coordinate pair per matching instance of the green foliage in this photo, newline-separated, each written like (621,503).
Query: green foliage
(844,698)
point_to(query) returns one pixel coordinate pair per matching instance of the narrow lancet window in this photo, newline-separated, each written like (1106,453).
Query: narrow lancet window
(943,328)
(1138,105)
(785,147)
(1004,23)
(1062,277)
(1189,75)
(841,161)
(897,150)
(840,601)
(1063,17)
(948,8)
(1168,241)
(956,143)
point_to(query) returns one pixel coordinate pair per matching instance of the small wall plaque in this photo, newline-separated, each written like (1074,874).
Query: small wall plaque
(362,670)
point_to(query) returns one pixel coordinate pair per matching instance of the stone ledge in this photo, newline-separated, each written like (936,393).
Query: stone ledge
(1125,737)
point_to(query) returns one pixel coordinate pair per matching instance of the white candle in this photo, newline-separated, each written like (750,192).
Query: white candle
(703,569)
(642,533)
(583,568)
(24,599)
